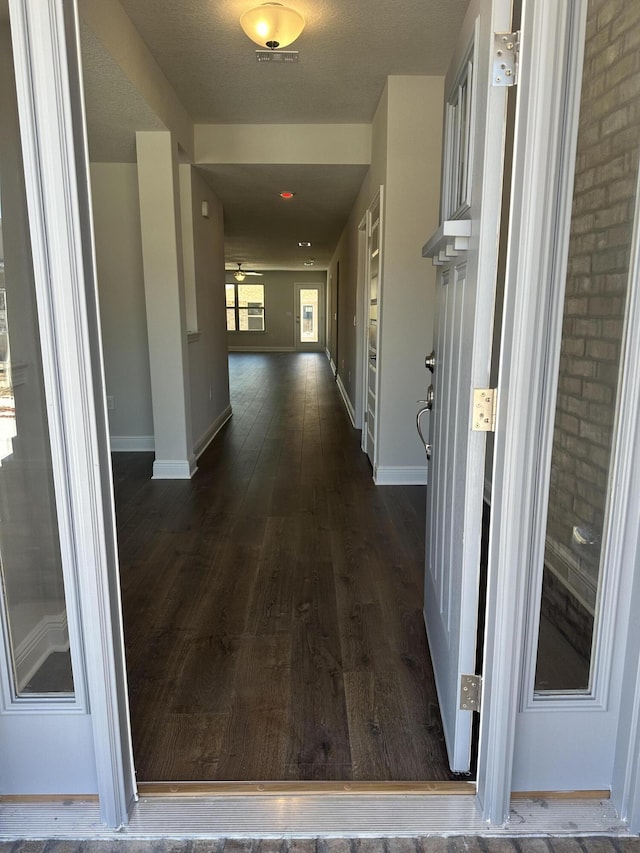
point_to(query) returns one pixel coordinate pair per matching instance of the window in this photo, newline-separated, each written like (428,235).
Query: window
(245,307)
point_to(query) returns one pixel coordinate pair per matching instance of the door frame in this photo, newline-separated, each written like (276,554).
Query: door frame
(365,226)
(548,54)
(51,110)
(45,39)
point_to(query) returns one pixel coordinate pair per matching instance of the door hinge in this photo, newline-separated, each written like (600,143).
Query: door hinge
(470,686)
(506,54)
(366,417)
(484,409)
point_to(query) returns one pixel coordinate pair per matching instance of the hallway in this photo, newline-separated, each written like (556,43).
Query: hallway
(273,604)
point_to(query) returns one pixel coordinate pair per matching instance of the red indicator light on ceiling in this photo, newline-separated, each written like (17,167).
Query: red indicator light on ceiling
(286,194)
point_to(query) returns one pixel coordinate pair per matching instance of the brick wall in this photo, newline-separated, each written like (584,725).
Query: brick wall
(601,226)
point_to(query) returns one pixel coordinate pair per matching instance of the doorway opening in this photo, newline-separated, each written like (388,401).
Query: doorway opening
(273,604)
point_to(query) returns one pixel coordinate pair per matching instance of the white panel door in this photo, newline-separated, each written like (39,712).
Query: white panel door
(475,115)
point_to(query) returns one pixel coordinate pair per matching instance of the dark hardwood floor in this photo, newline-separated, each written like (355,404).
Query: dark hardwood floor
(273,604)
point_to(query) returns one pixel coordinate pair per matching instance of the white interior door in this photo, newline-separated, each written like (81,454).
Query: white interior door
(466,250)
(309,314)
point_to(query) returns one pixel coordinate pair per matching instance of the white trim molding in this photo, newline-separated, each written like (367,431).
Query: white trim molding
(538,147)
(345,399)
(51,110)
(260,349)
(132,443)
(400,475)
(49,635)
(174,469)
(205,440)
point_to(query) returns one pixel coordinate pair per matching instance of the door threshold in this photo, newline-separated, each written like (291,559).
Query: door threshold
(343,815)
(288,789)
(561,795)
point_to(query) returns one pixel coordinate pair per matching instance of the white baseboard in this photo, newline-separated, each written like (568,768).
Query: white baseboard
(132,442)
(48,636)
(261,349)
(205,440)
(347,402)
(334,369)
(174,469)
(401,475)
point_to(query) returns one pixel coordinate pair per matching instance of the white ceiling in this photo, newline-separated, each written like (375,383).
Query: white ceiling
(347,50)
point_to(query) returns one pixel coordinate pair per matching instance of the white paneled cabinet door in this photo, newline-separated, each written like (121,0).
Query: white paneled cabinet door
(465,247)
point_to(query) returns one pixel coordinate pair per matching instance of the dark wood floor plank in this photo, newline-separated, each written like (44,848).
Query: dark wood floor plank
(273,604)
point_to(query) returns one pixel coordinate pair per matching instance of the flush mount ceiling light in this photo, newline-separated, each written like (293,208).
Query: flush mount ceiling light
(304,244)
(310,262)
(272,25)
(286,194)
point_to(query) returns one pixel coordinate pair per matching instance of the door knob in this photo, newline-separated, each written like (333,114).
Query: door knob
(430,361)
(427,447)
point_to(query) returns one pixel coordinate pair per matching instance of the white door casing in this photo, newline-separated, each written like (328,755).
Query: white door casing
(472,188)
(568,741)
(51,113)
(372,324)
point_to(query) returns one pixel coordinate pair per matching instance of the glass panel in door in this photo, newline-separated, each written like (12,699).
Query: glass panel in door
(590,364)
(33,601)
(309,313)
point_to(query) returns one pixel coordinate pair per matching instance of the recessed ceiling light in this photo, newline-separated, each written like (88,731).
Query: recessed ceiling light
(310,262)
(304,244)
(286,194)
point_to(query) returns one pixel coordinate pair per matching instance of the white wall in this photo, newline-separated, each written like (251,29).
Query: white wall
(283,143)
(208,361)
(122,303)
(405,159)
(412,201)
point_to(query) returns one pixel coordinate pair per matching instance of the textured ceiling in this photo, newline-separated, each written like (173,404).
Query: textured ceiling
(262,230)
(115,108)
(347,50)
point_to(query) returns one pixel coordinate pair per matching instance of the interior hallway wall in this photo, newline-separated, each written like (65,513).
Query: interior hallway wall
(116,213)
(346,254)
(123,316)
(208,363)
(411,214)
(408,166)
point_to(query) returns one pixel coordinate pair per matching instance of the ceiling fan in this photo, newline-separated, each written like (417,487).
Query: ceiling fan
(241,274)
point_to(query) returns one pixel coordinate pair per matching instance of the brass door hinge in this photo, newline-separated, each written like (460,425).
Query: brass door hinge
(484,409)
